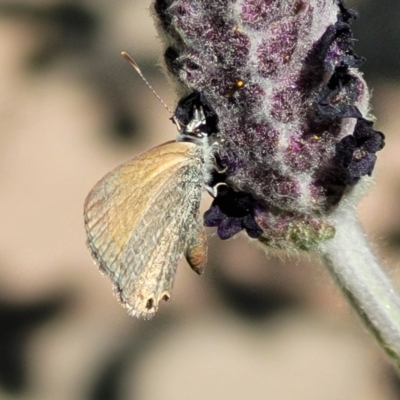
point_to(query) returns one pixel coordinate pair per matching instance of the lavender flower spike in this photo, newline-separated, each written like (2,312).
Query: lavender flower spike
(296,143)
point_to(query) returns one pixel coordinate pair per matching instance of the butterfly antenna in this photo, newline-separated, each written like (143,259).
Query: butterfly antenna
(133,63)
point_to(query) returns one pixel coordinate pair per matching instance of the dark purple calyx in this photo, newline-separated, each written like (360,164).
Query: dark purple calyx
(356,153)
(346,14)
(336,100)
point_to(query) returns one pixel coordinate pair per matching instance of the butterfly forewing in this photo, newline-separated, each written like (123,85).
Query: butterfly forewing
(141,217)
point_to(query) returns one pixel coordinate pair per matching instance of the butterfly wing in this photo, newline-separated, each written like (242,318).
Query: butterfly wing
(142,216)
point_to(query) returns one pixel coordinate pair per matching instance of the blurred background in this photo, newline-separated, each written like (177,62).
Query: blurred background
(253,327)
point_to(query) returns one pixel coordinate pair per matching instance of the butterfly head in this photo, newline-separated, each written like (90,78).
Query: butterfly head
(196,119)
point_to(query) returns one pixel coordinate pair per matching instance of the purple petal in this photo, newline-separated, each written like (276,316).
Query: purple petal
(229,227)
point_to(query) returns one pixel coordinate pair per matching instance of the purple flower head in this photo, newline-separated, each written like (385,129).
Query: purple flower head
(292,110)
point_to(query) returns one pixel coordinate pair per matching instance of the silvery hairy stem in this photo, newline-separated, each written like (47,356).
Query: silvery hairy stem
(356,270)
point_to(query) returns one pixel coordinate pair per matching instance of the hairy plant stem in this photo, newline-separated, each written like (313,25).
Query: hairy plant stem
(363,281)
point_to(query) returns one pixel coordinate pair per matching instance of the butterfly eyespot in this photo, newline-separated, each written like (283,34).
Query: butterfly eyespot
(165,297)
(150,303)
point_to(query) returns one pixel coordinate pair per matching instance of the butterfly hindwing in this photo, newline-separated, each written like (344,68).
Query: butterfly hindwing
(142,216)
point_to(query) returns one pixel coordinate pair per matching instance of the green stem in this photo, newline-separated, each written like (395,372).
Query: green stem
(363,281)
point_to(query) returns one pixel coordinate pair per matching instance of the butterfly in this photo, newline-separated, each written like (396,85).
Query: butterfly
(142,216)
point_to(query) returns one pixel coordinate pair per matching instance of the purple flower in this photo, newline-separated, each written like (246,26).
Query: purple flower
(231,212)
(293,127)
(356,153)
